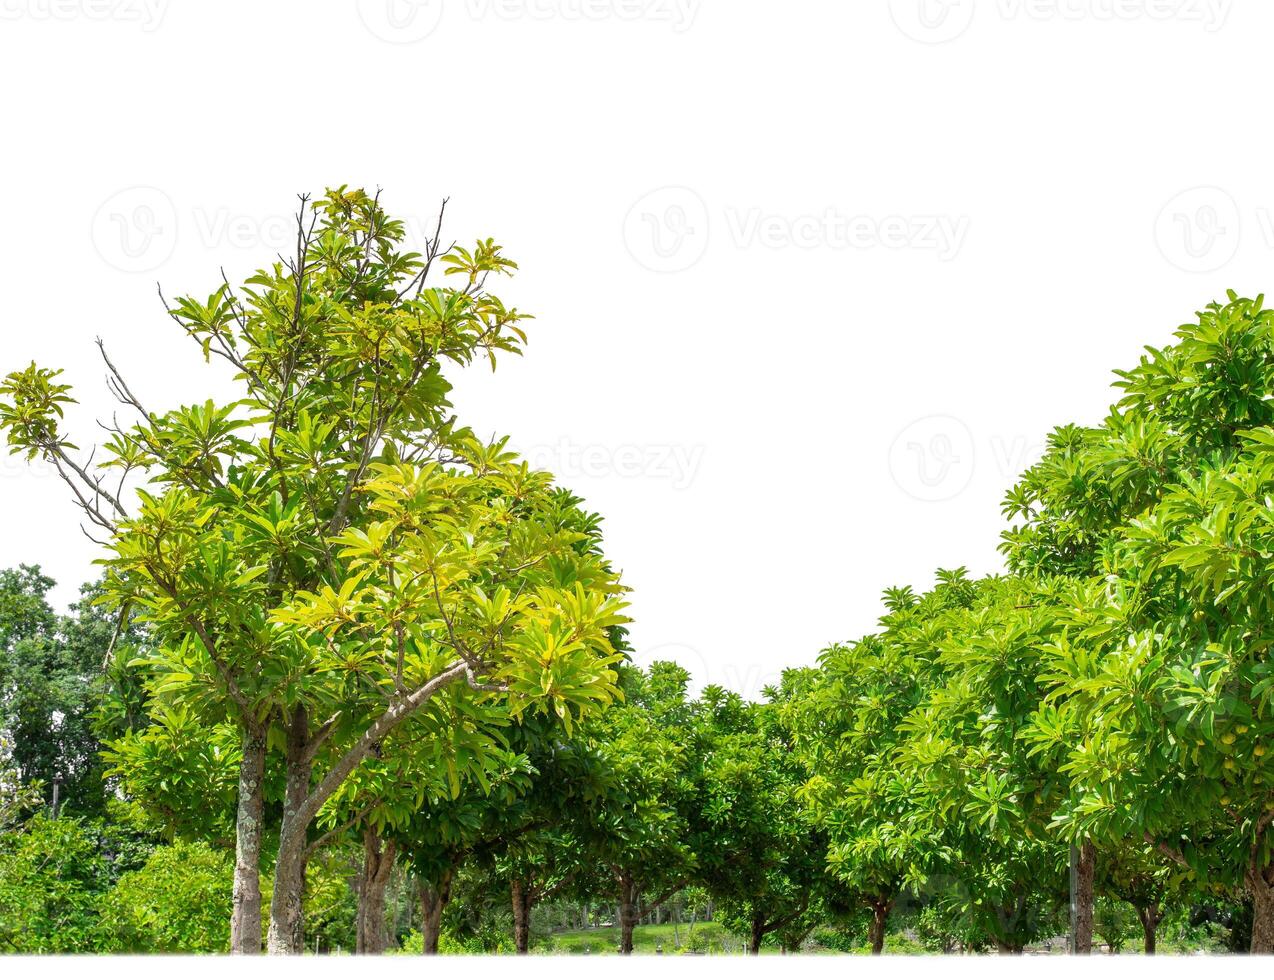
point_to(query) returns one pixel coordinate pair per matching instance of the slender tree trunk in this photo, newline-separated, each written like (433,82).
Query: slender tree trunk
(378,865)
(1149,916)
(245,919)
(880,908)
(287,921)
(433,901)
(1085,875)
(627,914)
(522,901)
(1258,886)
(757,936)
(301,804)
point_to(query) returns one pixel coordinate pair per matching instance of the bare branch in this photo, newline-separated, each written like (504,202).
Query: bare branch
(117,384)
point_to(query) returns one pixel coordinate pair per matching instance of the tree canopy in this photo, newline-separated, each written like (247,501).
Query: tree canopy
(353,665)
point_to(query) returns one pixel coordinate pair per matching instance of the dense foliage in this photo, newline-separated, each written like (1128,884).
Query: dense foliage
(352,665)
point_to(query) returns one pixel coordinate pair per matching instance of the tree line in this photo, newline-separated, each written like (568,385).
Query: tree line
(333,621)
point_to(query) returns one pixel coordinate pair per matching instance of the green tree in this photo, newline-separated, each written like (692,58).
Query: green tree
(16,796)
(634,827)
(845,719)
(1162,673)
(51,687)
(759,854)
(317,559)
(174,904)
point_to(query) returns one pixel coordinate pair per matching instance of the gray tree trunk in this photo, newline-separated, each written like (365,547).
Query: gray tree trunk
(521,896)
(245,919)
(1258,886)
(287,921)
(1086,873)
(378,864)
(627,914)
(1150,917)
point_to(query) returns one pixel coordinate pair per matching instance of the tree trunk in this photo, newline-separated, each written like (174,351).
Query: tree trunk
(378,864)
(1007,949)
(433,900)
(880,908)
(627,914)
(1085,874)
(301,804)
(287,922)
(758,935)
(1149,916)
(522,901)
(1258,886)
(245,919)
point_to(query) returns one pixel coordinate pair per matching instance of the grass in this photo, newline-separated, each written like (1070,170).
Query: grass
(702,938)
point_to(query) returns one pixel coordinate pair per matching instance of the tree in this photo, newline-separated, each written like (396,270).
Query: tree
(845,719)
(1139,876)
(447,831)
(319,558)
(16,796)
(634,827)
(431,760)
(51,687)
(758,852)
(1159,516)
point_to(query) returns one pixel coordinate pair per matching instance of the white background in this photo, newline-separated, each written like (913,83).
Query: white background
(812,279)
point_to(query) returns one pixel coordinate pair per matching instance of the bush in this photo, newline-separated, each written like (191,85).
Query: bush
(178,902)
(51,878)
